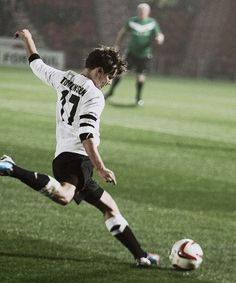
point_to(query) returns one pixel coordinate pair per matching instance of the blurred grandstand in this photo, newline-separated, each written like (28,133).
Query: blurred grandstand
(200,35)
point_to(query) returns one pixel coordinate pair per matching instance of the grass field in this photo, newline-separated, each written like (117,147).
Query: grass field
(175,165)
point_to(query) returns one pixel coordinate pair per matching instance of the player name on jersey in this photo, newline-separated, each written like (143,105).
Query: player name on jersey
(73,87)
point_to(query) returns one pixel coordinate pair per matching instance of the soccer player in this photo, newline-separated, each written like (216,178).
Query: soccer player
(142,31)
(79,106)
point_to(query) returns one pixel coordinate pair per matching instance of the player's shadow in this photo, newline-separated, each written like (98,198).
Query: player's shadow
(37,249)
(66,268)
(67,263)
(152,268)
(123,105)
(40,257)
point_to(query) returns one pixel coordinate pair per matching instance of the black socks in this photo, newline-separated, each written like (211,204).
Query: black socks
(115,82)
(35,180)
(128,239)
(139,87)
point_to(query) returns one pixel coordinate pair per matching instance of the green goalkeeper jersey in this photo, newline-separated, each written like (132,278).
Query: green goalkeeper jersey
(142,33)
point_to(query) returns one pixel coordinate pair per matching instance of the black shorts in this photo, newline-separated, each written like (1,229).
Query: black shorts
(139,64)
(77,170)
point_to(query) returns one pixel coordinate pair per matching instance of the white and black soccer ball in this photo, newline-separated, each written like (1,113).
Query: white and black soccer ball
(186,254)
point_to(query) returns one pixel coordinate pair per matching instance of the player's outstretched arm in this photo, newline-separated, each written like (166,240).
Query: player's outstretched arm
(120,37)
(44,72)
(29,44)
(92,151)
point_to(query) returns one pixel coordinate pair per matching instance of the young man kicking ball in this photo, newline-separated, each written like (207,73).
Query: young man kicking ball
(79,106)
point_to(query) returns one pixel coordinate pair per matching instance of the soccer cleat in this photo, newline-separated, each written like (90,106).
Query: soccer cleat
(150,260)
(6,165)
(140,102)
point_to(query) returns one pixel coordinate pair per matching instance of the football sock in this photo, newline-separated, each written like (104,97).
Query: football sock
(139,87)
(39,182)
(128,239)
(35,180)
(119,228)
(115,82)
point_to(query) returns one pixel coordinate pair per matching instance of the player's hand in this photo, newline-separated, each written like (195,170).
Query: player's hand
(160,38)
(23,34)
(107,175)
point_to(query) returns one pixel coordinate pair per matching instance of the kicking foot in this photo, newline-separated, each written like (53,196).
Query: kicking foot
(150,260)
(6,165)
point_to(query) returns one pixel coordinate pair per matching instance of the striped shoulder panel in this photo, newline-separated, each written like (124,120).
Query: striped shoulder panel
(142,28)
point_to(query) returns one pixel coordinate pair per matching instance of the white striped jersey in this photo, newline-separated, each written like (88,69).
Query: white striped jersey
(79,106)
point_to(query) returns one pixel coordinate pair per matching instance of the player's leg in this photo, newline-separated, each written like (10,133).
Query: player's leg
(114,84)
(141,67)
(116,80)
(117,224)
(61,193)
(140,80)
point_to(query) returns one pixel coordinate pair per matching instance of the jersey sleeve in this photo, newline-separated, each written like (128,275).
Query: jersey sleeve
(90,115)
(127,25)
(44,72)
(157,29)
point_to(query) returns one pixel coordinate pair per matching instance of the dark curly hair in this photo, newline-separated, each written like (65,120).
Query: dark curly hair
(108,58)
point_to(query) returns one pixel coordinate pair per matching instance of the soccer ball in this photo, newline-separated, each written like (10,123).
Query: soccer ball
(186,254)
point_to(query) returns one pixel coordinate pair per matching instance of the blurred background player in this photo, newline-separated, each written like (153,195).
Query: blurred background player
(142,31)
(79,106)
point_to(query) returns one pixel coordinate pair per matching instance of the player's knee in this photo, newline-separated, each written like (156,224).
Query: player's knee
(141,78)
(62,194)
(65,197)
(63,201)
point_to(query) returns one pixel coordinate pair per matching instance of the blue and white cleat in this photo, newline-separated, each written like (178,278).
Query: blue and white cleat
(6,165)
(150,260)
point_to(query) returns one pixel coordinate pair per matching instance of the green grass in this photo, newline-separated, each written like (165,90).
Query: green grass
(175,164)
